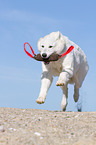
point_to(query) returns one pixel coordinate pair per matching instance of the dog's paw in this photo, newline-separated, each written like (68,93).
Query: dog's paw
(40,100)
(59,83)
(76,97)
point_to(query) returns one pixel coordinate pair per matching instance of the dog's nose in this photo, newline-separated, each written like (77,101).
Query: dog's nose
(44,55)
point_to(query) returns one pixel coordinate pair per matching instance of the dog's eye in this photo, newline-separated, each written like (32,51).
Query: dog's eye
(43,46)
(50,46)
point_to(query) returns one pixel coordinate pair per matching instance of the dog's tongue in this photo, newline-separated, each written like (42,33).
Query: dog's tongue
(46,62)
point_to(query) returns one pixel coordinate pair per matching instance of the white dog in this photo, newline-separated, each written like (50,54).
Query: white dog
(71,69)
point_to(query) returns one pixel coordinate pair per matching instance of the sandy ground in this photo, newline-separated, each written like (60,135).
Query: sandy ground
(42,127)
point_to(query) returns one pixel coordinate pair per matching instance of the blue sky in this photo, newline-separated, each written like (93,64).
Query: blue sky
(22,21)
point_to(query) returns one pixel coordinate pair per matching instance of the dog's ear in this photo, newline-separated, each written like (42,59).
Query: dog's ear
(58,35)
(38,43)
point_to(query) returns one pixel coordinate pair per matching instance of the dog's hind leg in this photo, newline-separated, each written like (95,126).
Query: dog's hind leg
(65,96)
(76,93)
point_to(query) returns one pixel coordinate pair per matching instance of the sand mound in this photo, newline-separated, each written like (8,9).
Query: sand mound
(42,127)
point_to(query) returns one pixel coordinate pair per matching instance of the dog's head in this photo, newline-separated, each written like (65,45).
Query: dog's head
(50,44)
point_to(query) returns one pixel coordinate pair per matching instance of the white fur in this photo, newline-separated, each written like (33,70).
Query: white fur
(71,69)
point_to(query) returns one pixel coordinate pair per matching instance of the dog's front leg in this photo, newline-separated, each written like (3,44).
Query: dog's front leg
(67,70)
(46,80)
(63,78)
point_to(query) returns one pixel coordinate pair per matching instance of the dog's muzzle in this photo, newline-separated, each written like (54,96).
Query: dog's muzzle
(52,57)
(44,55)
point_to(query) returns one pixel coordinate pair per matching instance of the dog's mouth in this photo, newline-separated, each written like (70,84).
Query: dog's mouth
(46,61)
(52,57)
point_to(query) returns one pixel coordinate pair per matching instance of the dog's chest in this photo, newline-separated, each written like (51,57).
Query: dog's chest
(55,68)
